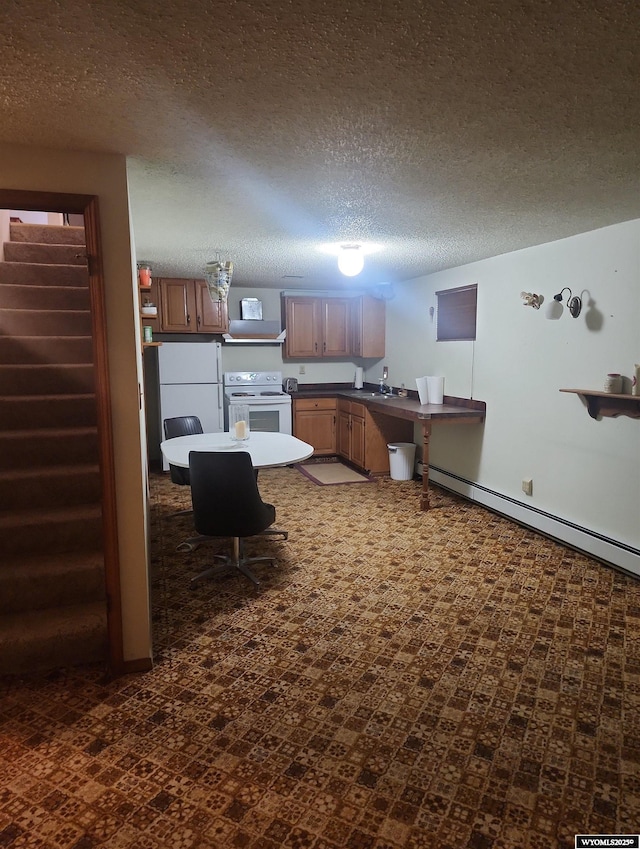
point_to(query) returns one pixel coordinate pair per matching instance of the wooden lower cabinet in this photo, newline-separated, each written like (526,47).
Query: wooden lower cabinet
(359,454)
(363,436)
(352,430)
(343,436)
(314,421)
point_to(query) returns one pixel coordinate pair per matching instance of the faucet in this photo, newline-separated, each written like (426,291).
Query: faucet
(383,387)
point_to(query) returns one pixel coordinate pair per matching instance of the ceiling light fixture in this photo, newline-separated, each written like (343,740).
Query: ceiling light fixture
(350,260)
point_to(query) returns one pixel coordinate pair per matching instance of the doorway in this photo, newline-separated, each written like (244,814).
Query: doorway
(74,390)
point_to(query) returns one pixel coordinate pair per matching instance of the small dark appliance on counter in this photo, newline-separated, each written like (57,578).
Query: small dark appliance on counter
(290,384)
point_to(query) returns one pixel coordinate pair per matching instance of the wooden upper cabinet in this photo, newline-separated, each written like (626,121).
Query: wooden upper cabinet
(336,330)
(367,327)
(303,319)
(211,316)
(185,307)
(334,327)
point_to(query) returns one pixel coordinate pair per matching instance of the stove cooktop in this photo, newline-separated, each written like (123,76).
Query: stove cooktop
(256,394)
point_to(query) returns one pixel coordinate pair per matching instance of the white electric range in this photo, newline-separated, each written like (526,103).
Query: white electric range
(269,407)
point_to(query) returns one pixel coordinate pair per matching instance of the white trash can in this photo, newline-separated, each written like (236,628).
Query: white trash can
(401,459)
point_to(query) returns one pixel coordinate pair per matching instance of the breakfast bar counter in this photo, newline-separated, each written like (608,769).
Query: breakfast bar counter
(453,411)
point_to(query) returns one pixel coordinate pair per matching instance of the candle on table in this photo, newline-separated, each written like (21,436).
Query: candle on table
(241,430)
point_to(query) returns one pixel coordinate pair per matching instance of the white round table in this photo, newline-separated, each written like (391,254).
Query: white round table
(266,449)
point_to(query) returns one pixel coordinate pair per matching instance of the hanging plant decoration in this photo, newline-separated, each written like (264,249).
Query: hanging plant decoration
(218,276)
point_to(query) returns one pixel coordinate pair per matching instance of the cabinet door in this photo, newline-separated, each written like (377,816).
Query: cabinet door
(358,441)
(344,435)
(318,428)
(367,327)
(336,332)
(211,316)
(303,323)
(178,307)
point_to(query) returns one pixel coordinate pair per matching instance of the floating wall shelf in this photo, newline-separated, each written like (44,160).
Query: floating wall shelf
(607,404)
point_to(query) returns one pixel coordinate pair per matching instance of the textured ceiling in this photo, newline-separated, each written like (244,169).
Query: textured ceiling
(444,132)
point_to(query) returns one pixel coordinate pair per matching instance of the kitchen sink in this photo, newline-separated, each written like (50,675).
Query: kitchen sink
(357,394)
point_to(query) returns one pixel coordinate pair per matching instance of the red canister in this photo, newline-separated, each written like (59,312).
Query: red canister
(144,276)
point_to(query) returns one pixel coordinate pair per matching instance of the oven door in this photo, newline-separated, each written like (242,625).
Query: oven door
(265,417)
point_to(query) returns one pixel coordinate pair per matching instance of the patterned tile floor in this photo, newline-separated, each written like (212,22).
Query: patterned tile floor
(402,680)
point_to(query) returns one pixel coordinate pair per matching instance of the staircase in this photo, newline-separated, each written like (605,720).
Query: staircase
(52,589)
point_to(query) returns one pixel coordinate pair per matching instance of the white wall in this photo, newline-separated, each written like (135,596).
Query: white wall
(104,175)
(584,471)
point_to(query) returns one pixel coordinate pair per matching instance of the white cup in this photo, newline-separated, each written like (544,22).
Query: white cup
(423,390)
(435,388)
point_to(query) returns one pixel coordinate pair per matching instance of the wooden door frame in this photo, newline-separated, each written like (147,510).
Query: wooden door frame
(87,205)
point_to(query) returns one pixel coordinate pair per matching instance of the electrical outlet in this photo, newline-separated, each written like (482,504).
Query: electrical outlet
(302,370)
(527,486)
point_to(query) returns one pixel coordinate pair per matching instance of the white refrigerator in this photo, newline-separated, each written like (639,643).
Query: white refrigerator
(190,378)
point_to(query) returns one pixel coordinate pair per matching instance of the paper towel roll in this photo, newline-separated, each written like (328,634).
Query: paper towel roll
(423,391)
(358,378)
(435,388)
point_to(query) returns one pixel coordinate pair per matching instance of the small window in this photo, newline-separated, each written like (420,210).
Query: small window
(457,313)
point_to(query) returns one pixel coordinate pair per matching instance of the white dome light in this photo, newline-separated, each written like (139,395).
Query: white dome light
(350,260)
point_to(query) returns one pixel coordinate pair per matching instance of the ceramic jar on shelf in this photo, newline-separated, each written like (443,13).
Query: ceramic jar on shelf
(613,383)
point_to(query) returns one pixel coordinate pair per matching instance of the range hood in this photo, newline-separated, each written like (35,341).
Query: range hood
(252,331)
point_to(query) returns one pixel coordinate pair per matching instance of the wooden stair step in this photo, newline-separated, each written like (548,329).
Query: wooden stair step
(46,446)
(66,298)
(53,638)
(43,349)
(47,234)
(47,581)
(45,411)
(30,379)
(20,322)
(68,485)
(53,530)
(47,253)
(37,274)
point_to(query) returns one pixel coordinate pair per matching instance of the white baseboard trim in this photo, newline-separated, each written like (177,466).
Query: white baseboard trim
(608,550)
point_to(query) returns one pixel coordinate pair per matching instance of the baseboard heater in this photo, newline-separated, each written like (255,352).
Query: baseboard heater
(606,549)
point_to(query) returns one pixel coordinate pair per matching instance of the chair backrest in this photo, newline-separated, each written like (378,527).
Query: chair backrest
(225,496)
(181,426)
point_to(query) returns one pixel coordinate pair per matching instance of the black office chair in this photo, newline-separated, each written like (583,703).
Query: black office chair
(181,426)
(227,503)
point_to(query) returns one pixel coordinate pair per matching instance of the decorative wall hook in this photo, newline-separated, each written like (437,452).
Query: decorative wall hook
(532,300)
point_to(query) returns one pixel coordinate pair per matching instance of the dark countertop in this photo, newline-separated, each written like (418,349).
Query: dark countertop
(398,406)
